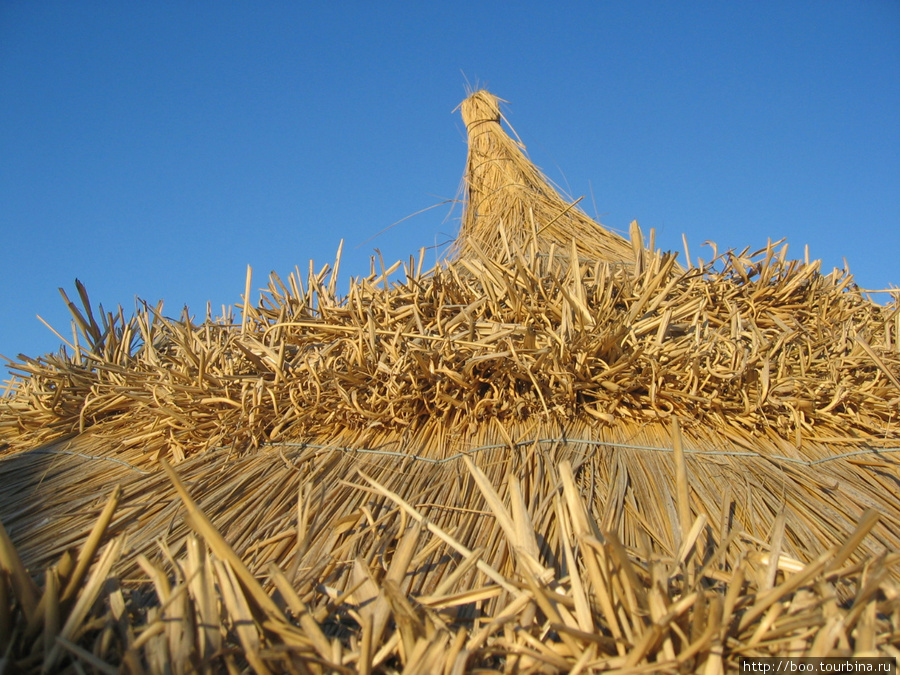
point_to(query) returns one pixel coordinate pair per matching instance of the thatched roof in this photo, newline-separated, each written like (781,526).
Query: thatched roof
(635,463)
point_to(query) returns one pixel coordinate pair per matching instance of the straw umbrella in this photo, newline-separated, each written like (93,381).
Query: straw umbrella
(559,449)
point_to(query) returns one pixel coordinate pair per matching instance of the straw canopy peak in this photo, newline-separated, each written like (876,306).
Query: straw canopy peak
(510,203)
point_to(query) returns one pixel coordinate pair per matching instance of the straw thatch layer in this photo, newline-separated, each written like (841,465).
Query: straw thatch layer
(755,346)
(502,578)
(558,450)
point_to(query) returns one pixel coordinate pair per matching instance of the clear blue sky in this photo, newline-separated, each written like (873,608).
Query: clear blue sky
(155,149)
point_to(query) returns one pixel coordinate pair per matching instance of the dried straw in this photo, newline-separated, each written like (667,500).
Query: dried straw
(556,451)
(510,204)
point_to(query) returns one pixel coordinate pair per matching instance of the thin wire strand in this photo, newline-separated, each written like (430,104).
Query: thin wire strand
(85,456)
(496,446)
(585,441)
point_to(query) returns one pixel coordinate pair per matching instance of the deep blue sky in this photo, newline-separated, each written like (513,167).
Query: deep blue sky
(155,149)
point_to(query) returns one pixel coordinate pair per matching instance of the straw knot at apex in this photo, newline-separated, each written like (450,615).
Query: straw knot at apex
(480,107)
